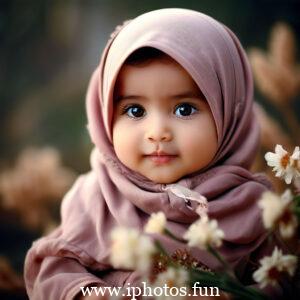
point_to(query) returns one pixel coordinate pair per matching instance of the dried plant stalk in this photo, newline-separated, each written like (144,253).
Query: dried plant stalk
(277,75)
(36,182)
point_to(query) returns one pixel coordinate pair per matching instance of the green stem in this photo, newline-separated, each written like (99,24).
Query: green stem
(164,252)
(219,257)
(173,236)
(160,248)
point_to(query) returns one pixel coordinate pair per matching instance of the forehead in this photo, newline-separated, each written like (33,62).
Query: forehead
(157,75)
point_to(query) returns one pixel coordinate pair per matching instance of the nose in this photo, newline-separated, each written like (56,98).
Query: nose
(159,131)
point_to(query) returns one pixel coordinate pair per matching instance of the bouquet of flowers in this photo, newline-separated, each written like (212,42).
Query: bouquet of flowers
(136,250)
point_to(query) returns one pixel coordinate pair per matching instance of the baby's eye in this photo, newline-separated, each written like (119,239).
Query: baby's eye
(185,110)
(134,111)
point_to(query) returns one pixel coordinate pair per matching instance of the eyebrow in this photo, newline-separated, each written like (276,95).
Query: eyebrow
(188,94)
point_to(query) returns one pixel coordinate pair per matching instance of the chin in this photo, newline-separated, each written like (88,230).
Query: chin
(163,179)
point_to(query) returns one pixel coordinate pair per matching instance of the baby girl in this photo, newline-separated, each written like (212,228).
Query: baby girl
(170,107)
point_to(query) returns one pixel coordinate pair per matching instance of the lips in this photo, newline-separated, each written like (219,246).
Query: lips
(161,157)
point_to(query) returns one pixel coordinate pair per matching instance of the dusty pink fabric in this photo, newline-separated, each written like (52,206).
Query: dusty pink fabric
(75,254)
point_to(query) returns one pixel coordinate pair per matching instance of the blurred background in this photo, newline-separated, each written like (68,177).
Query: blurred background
(48,50)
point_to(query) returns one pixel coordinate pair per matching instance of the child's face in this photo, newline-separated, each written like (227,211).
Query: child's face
(162,127)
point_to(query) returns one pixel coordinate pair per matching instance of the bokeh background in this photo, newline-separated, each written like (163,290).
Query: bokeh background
(48,50)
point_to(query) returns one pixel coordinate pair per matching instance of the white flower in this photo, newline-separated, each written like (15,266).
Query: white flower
(277,211)
(124,242)
(130,249)
(285,166)
(272,267)
(288,221)
(295,162)
(204,233)
(144,253)
(272,207)
(156,223)
(287,229)
(172,277)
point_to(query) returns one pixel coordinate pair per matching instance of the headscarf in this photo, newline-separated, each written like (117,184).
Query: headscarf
(111,194)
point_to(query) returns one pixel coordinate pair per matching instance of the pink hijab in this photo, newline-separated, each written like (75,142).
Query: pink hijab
(111,194)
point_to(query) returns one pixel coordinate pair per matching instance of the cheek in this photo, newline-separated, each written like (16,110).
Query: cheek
(192,143)
(125,142)
(202,141)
